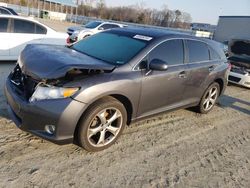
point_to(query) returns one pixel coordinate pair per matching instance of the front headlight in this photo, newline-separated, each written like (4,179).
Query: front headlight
(52,92)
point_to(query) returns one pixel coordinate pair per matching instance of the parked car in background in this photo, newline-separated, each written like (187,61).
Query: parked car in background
(108,80)
(16,32)
(79,32)
(7,11)
(239,57)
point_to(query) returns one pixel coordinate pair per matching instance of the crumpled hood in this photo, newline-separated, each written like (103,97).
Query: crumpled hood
(42,61)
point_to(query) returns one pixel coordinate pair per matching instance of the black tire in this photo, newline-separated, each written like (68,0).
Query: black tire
(202,107)
(91,115)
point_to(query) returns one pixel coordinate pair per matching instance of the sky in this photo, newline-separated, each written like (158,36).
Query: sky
(202,11)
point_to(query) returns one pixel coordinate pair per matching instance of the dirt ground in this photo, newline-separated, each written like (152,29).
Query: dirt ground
(177,149)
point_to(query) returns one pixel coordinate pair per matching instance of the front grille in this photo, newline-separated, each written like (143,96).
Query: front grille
(234,79)
(25,85)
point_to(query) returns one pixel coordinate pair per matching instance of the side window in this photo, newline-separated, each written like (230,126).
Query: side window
(109,26)
(213,54)
(198,51)
(3,25)
(40,29)
(172,52)
(22,26)
(3,11)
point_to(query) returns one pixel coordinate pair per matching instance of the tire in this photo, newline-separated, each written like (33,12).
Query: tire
(102,124)
(209,98)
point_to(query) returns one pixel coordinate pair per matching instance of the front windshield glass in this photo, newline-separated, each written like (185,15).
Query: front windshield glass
(112,48)
(92,25)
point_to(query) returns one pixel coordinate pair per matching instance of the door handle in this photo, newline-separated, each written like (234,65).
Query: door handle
(211,68)
(182,74)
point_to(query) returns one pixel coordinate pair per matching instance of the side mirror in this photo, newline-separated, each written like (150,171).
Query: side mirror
(159,65)
(101,28)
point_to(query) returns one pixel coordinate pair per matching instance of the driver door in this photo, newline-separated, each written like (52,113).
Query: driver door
(163,90)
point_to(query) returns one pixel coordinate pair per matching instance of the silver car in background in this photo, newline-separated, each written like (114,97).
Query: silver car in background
(77,33)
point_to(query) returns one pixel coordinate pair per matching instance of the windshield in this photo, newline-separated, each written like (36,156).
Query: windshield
(92,25)
(112,48)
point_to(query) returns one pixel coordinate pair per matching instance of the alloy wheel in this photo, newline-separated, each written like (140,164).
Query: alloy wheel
(104,127)
(210,98)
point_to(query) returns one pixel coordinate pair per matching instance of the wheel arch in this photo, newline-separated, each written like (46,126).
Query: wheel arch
(221,84)
(121,98)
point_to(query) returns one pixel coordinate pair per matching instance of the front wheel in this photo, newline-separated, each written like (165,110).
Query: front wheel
(209,98)
(102,124)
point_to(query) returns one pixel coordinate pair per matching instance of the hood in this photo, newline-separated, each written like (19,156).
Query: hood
(239,52)
(51,62)
(239,47)
(75,28)
(83,30)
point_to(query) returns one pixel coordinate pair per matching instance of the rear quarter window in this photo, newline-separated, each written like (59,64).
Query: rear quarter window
(213,54)
(197,51)
(40,29)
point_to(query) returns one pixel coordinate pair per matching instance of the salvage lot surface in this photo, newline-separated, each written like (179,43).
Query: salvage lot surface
(181,148)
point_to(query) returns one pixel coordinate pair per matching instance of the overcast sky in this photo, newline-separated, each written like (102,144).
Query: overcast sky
(206,11)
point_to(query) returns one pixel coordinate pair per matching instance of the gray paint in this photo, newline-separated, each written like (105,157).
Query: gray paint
(148,92)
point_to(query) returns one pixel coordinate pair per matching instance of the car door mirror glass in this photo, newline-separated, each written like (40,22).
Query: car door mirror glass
(101,28)
(157,64)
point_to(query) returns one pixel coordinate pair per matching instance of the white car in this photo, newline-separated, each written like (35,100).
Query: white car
(16,32)
(239,57)
(78,33)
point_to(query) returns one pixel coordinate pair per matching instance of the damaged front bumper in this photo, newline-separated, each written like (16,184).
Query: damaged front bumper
(64,114)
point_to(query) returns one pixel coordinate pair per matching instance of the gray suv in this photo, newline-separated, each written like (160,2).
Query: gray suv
(88,92)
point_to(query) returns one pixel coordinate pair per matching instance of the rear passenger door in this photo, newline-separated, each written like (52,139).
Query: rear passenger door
(199,69)
(163,90)
(23,32)
(4,38)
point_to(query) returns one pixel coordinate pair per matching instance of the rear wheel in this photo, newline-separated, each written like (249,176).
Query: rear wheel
(102,124)
(209,98)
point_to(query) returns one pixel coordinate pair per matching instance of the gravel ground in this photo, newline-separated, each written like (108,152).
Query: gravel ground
(177,149)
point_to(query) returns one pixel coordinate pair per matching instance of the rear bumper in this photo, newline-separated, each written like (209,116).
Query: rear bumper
(239,79)
(32,117)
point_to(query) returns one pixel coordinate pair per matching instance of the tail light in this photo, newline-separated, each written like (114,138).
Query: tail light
(68,40)
(229,66)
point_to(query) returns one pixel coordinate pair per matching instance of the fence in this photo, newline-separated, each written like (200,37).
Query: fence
(84,19)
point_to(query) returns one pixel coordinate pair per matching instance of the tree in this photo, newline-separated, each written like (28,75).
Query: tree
(23,3)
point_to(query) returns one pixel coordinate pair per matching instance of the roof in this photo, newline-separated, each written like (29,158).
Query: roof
(150,32)
(64,2)
(234,17)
